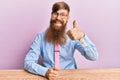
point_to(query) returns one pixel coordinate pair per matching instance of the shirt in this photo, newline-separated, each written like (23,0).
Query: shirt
(40,47)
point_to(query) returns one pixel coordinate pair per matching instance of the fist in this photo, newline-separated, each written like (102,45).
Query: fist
(75,33)
(52,74)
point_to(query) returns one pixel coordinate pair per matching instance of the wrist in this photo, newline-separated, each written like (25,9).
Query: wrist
(47,73)
(82,41)
(83,35)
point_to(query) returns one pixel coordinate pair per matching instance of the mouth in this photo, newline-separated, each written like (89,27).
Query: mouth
(58,22)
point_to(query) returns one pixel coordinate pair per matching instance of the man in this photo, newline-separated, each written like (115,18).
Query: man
(45,42)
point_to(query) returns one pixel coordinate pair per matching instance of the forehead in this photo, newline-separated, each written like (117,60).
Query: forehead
(62,11)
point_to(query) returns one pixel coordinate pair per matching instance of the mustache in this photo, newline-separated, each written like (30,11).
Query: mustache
(56,20)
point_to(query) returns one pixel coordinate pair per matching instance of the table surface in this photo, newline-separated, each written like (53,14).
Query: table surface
(73,74)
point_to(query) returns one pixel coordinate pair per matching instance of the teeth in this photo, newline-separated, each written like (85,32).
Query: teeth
(57,22)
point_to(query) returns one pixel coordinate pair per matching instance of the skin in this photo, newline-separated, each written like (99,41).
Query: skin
(52,74)
(58,25)
(74,33)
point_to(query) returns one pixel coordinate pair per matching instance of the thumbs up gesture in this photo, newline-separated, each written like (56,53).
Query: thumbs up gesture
(75,33)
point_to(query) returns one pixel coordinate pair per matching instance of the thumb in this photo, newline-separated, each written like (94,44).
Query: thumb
(74,24)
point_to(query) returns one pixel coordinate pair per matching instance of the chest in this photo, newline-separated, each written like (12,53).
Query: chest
(66,51)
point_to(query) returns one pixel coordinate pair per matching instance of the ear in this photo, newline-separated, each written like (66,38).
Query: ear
(51,15)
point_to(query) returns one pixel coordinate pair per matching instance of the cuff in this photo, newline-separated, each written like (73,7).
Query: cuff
(83,42)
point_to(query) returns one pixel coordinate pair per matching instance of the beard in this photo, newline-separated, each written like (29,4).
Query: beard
(56,34)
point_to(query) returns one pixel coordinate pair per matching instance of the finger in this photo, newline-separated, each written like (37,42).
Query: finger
(70,34)
(52,78)
(53,75)
(74,24)
(56,69)
(54,72)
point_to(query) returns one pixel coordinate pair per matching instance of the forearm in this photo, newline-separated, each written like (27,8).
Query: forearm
(90,53)
(88,50)
(35,68)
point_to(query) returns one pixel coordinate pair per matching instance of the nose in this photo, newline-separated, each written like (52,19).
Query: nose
(58,17)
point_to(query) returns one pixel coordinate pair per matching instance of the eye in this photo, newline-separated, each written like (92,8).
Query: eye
(62,14)
(55,13)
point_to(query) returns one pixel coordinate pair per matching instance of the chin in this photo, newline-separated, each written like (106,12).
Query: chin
(58,28)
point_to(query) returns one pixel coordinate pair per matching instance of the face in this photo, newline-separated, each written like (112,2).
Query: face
(59,18)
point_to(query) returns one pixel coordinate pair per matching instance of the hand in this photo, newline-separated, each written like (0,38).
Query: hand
(52,74)
(75,33)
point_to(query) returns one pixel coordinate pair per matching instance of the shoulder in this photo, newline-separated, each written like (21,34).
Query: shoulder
(40,34)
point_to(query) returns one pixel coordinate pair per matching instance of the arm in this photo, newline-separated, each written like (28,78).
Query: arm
(31,59)
(87,48)
(83,43)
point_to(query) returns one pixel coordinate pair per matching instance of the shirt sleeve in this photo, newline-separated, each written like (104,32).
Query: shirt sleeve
(31,59)
(87,48)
